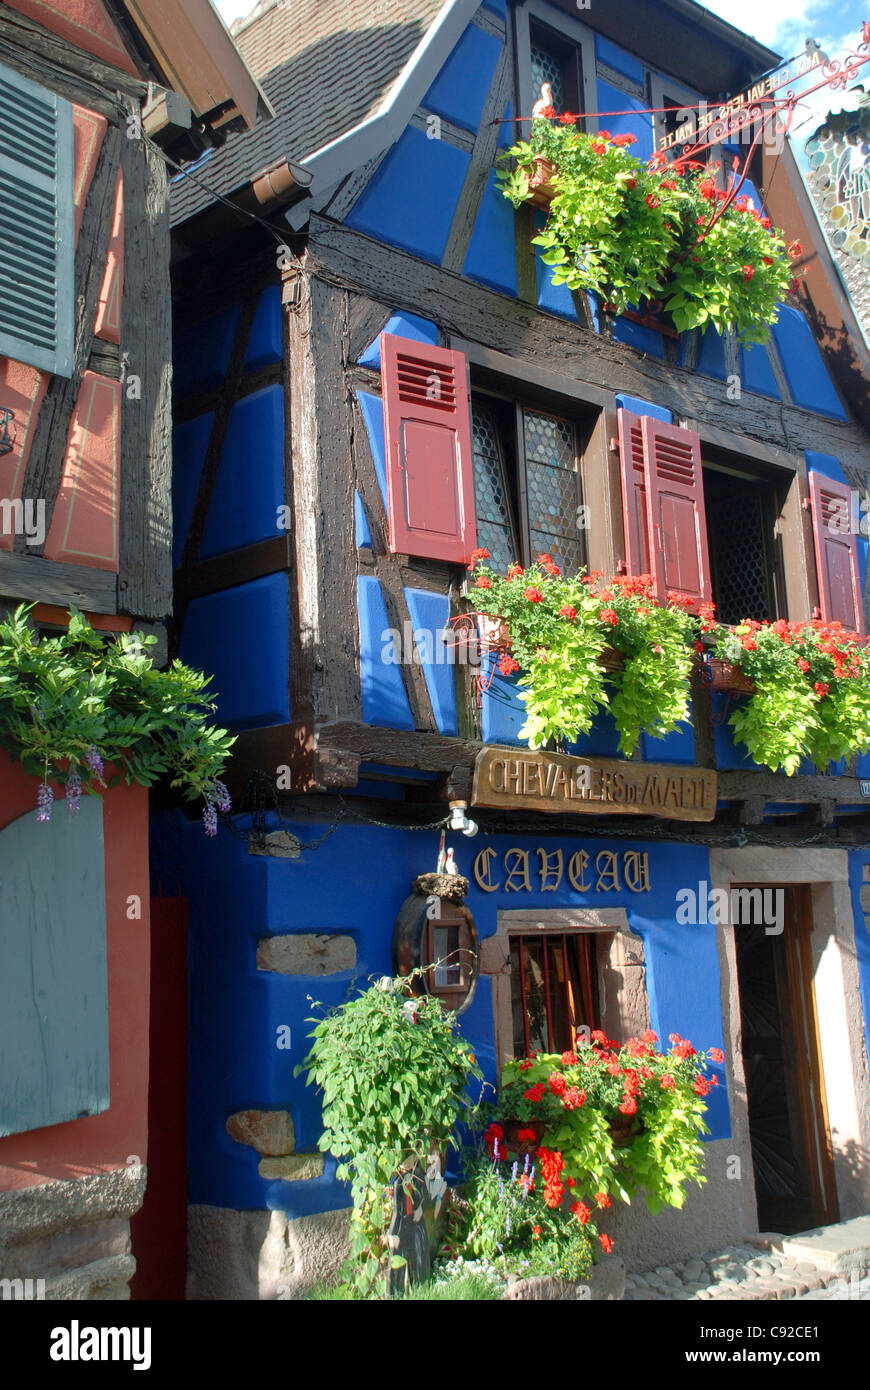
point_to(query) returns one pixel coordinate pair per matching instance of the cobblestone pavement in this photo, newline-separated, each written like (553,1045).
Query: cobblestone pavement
(744,1272)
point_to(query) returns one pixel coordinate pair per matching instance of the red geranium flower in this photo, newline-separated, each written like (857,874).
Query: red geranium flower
(716,1054)
(481,554)
(602,1199)
(507,665)
(607,615)
(803,664)
(581,1211)
(748,272)
(548,112)
(795,249)
(569,1059)
(628,1106)
(669,1083)
(630,184)
(625,139)
(821,689)
(483,583)
(573,1099)
(652,202)
(535,1092)
(566,118)
(514,571)
(533,595)
(566,611)
(526,1136)
(597,148)
(606,1244)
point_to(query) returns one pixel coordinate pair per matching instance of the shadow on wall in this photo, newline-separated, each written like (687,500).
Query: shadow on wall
(839,352)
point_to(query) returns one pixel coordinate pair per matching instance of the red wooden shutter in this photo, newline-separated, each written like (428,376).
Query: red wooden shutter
(836,547)
(678,523)
(427,428)
(635,513)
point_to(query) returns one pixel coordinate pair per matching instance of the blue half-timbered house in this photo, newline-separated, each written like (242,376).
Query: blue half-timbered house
(325,512)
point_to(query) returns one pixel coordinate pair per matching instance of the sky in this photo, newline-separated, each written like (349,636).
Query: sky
(783,25)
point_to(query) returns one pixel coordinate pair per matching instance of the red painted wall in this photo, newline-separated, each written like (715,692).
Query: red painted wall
(81,22)
(98,1143)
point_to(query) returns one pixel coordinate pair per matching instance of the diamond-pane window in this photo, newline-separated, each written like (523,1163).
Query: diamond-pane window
(551,468)
(547,67)
(491,503)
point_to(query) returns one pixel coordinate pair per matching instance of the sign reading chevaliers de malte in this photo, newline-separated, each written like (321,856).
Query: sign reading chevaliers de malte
(541,781)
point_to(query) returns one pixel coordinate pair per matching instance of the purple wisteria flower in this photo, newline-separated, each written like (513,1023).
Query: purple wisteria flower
(73,793)
(221,798)
(44,801)
(209,818)
(95,762)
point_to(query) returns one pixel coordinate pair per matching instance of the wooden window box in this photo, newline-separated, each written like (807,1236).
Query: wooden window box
(541,186)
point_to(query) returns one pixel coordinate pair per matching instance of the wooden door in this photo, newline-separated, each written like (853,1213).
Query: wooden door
(159,1229)
(789,1135)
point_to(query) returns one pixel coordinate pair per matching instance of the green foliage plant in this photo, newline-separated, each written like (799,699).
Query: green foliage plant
(503,1220)
(559,628)
(633,231)
(394,1075)
(72,702)
(618,1118)
(812,691)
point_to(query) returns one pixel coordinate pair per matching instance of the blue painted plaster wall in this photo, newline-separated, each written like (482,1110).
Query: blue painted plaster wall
(201,353)
(461,87)
(615,57)
(805,370)
(636,123)
(265,342)
(241,636)
(236,899)
(857,861)
(491,257)
(383,692)
(410,200)
(401,325)
(249,487)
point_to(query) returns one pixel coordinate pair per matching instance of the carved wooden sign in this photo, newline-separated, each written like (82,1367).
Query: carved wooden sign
(556,782)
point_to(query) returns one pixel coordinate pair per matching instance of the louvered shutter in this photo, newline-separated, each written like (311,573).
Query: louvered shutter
(836,547)
(678,523)
(36,225)
(427,431)
(635,513)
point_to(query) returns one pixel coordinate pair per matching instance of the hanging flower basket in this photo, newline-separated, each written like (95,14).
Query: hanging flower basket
(705,254)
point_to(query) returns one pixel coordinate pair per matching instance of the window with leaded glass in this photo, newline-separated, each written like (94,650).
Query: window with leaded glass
(527,494)
(555,60)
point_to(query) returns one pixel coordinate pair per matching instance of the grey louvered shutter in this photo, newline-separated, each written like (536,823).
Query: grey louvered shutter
(37,254)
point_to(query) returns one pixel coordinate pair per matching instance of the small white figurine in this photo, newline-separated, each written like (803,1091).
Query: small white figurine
(450,866)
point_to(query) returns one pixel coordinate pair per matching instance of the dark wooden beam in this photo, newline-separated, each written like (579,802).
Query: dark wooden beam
(33,579)
(200,404)
(234,567)
(471,311)
(217,438)
(322,445)
(51,61)
(45,462)
(482,156)
(145,541)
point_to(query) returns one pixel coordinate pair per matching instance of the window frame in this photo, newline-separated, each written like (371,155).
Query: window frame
(59,360)
(538,15)
(517,489)
(623,999)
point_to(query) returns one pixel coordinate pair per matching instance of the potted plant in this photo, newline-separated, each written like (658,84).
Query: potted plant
(579,645)
(808,688)
(639,233)
(619,1118)
(70,704)
(394,1075)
